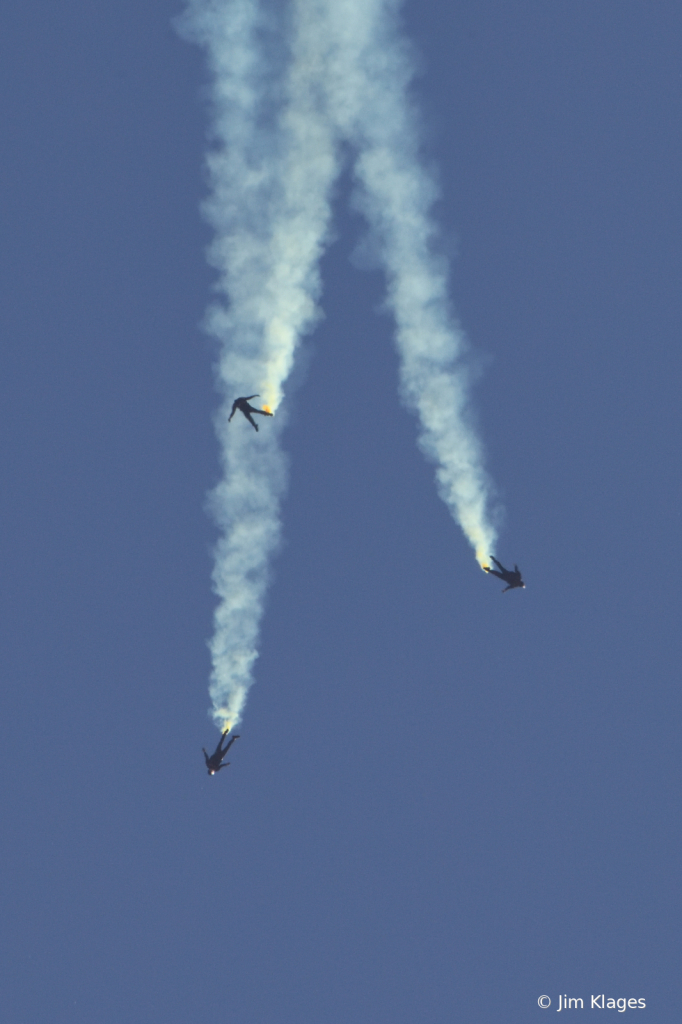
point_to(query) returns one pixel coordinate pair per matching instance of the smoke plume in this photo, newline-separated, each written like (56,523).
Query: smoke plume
(289,86)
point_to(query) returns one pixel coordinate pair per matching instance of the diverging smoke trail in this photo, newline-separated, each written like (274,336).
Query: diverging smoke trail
(367,86)
(289,86)
(271,168)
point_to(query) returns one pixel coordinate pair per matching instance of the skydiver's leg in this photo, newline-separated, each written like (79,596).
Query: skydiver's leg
(262,412)
(248,416)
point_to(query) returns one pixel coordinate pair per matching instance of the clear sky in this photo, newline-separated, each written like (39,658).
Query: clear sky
(445,802)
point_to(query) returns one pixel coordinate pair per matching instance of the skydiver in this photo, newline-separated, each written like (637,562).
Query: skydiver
(243,405)
(215,762)
(512,579)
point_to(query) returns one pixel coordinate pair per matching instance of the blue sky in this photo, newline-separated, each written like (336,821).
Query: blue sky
(445,802)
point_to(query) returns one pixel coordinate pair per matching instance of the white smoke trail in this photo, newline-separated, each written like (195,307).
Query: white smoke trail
(272,168)
(277,124)
(367,87)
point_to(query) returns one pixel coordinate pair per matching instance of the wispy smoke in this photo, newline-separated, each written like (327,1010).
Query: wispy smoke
(289,85)
(271,167)
(367,86)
